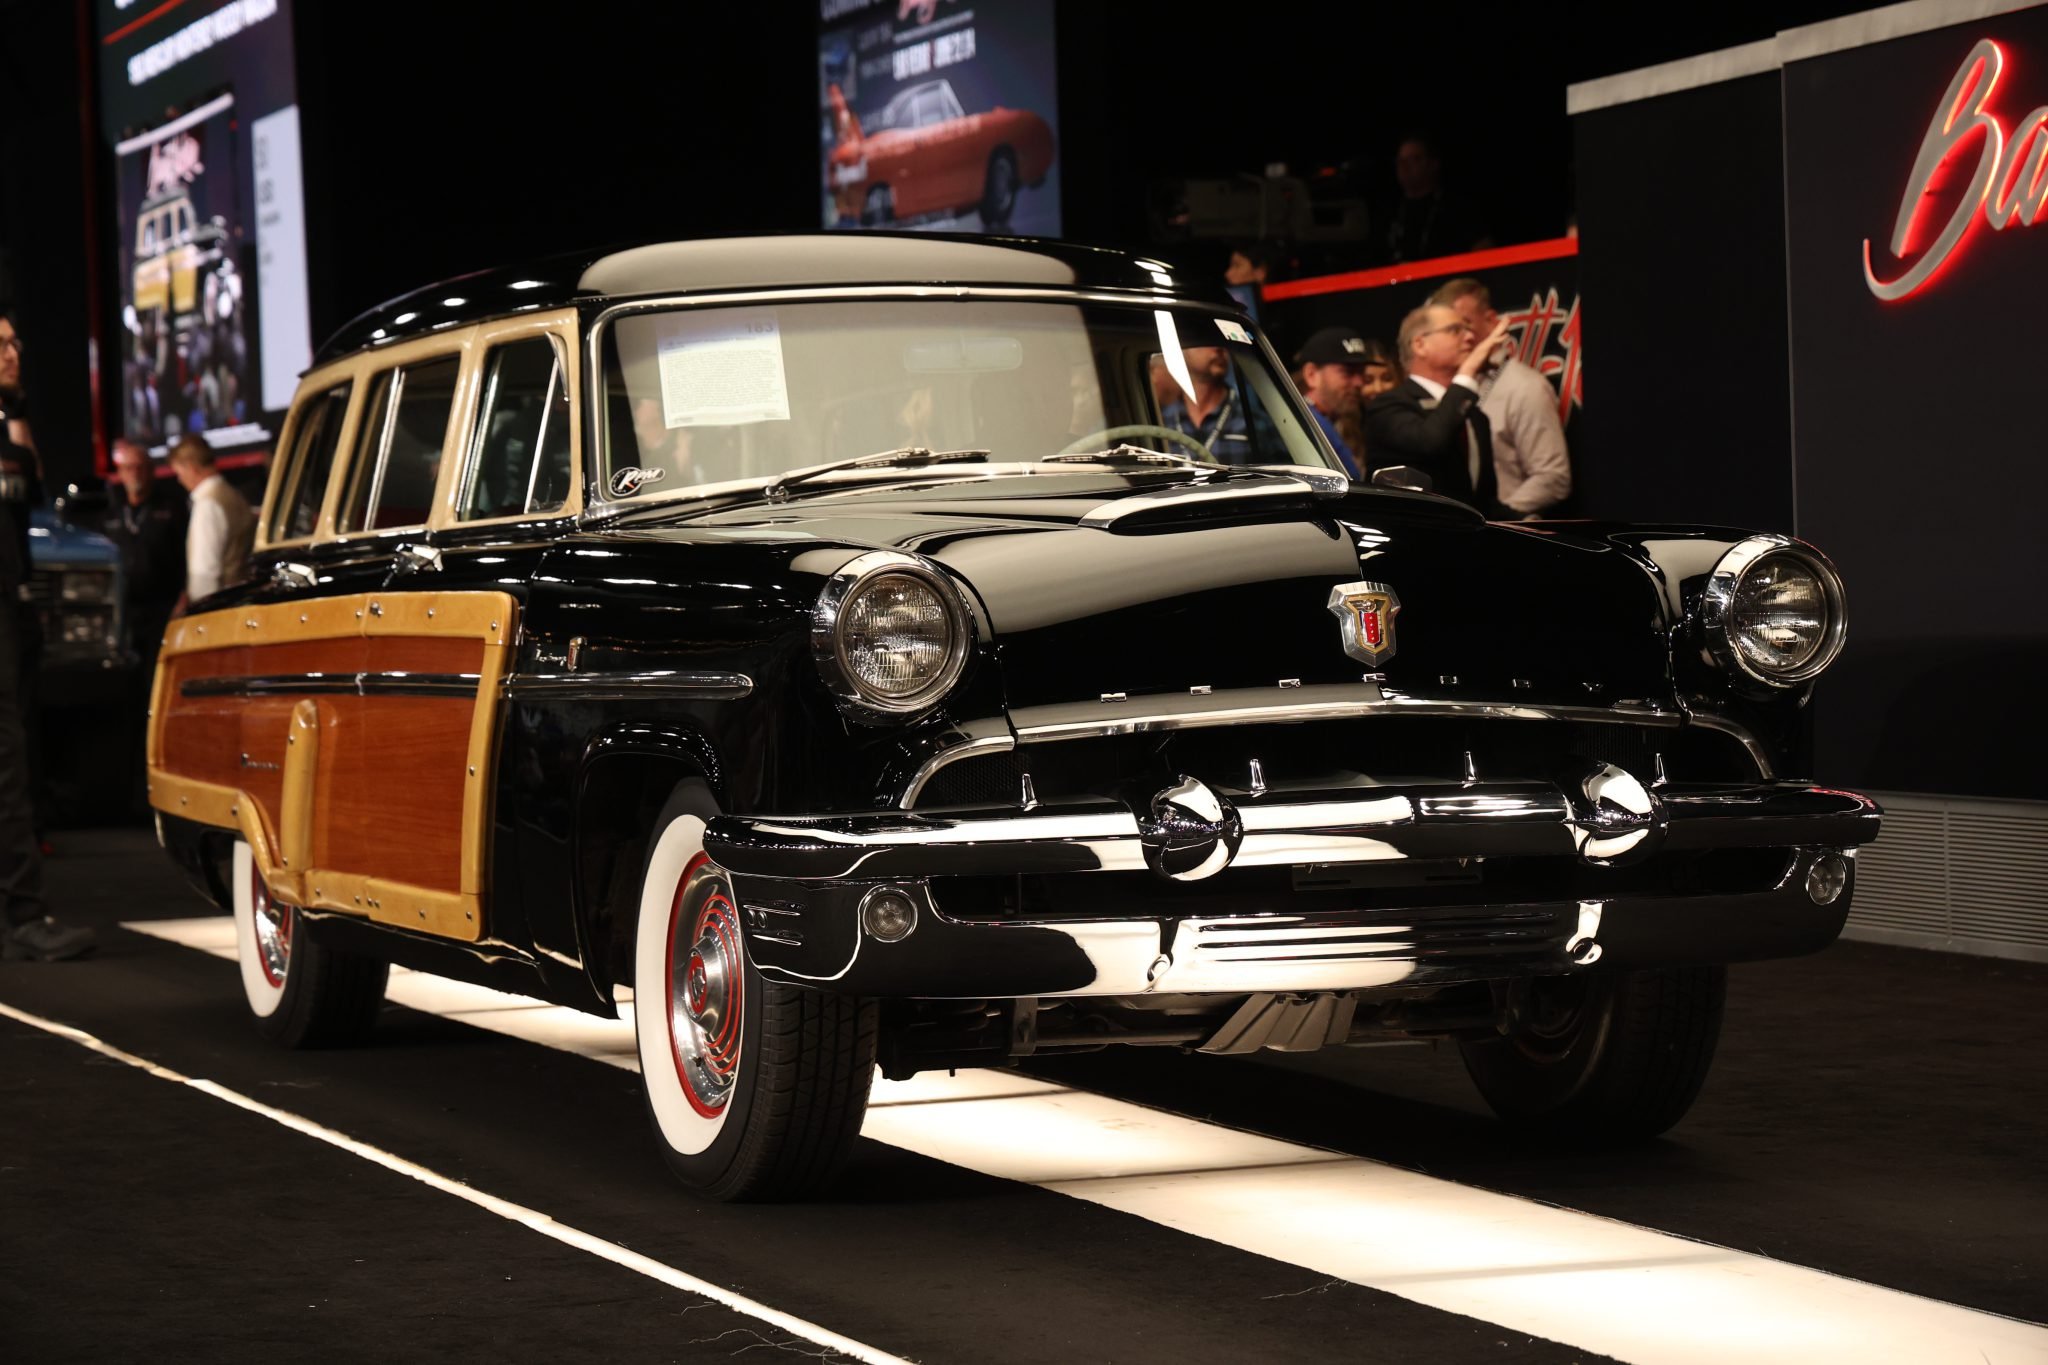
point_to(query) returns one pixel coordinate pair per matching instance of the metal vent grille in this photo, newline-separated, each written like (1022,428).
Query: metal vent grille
(1965,876)
(989,780)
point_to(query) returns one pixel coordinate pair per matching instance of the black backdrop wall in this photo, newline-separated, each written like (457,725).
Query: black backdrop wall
(1682,261)
(1919,446)
(1745,371)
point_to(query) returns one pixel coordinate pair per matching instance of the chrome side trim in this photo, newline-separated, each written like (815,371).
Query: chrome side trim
(1338,701)
(627,686)
(1766,771)
(327,684)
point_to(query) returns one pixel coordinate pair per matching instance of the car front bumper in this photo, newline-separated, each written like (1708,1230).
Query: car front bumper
(801,882)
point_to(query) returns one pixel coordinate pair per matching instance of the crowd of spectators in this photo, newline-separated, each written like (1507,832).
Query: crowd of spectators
(1450,400)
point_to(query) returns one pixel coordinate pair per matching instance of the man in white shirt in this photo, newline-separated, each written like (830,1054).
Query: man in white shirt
(1530,459)
(222,528)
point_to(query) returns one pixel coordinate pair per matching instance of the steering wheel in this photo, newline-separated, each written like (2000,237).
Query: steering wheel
(1098,440)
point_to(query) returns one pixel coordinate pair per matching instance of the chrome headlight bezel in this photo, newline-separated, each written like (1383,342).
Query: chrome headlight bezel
(1718,618)
(828,641)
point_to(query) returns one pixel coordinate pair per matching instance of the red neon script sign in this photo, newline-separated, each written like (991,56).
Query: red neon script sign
(2009,183)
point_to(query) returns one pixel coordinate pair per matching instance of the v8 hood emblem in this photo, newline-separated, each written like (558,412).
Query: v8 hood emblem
(1366,612)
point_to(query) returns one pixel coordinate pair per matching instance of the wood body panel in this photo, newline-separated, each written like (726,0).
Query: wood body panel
(384,810)
(411,654)
(397,779)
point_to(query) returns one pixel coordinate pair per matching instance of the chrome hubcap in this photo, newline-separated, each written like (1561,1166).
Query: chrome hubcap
(273,923)
(704,988)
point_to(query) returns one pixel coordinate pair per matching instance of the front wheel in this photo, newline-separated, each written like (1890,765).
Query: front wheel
(300,994)
(1613,1057)
(756,1089)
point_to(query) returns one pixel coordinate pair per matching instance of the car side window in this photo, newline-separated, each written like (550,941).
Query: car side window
(519,459)
(310,462)
(398,449)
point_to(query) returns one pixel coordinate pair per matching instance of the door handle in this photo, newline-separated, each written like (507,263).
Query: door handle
(287,575)
(413,558)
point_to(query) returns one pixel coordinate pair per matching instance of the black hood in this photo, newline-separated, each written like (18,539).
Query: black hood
(1094,583)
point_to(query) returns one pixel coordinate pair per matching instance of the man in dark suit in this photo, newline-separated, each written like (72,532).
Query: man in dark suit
(1431,420)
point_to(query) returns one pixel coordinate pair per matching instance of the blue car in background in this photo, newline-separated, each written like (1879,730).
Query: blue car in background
(84,682)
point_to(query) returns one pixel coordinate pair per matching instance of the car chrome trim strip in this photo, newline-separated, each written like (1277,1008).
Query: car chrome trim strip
(628,686)
(1084,720)
(1707,720)
(1093,720)
(351,684)
(975,746)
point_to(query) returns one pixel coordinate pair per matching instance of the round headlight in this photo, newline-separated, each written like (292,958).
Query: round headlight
(890,634)
(1774,610)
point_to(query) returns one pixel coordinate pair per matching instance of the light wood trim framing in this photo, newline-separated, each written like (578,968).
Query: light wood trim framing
(472,344)
(486,616)
(295,808)
(560,325)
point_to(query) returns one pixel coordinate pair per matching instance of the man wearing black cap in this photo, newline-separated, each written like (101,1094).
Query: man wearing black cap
(1332,365)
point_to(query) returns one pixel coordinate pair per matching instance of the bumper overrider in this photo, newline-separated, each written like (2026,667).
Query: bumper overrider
(862,903)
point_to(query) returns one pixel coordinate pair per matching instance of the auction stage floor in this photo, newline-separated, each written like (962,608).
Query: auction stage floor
(1865,1178)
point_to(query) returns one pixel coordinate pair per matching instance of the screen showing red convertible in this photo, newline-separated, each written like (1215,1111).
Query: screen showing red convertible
(939,115)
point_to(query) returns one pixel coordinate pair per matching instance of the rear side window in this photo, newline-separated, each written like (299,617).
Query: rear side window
(308,465)
(519,459)
(398,447)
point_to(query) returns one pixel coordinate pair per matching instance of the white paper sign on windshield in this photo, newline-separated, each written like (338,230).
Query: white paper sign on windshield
(721,367)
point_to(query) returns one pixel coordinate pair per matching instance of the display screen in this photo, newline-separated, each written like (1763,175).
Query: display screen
(209,328)
(939,115)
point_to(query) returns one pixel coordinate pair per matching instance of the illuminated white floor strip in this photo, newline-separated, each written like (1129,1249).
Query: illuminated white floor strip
(503,1208)
(1599,1285)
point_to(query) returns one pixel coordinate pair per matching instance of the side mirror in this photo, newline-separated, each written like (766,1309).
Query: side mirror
(1403,476)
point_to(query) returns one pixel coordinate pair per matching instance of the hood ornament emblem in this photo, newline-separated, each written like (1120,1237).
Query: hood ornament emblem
(1365,612)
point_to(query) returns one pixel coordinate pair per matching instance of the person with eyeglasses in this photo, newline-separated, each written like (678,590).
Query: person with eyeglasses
(29,931)
(1431,421)
(1531,461)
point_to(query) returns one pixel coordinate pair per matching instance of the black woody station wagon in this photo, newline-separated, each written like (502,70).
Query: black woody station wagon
(855,648)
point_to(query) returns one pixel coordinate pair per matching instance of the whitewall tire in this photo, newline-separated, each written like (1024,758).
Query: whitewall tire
(755,1089)
(262,937)
(300,993)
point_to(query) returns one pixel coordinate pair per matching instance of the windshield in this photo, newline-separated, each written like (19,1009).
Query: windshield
(705,396)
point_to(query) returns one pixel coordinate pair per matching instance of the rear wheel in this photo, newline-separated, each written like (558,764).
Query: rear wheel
(300,994)
(1612,1057)
(756,1089)
(878,208)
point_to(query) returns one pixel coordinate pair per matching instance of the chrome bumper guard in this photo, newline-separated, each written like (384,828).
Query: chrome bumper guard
(802,881)
(1189,832)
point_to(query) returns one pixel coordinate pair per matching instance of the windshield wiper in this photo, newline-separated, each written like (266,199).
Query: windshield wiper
(1129,454)
(905,457)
